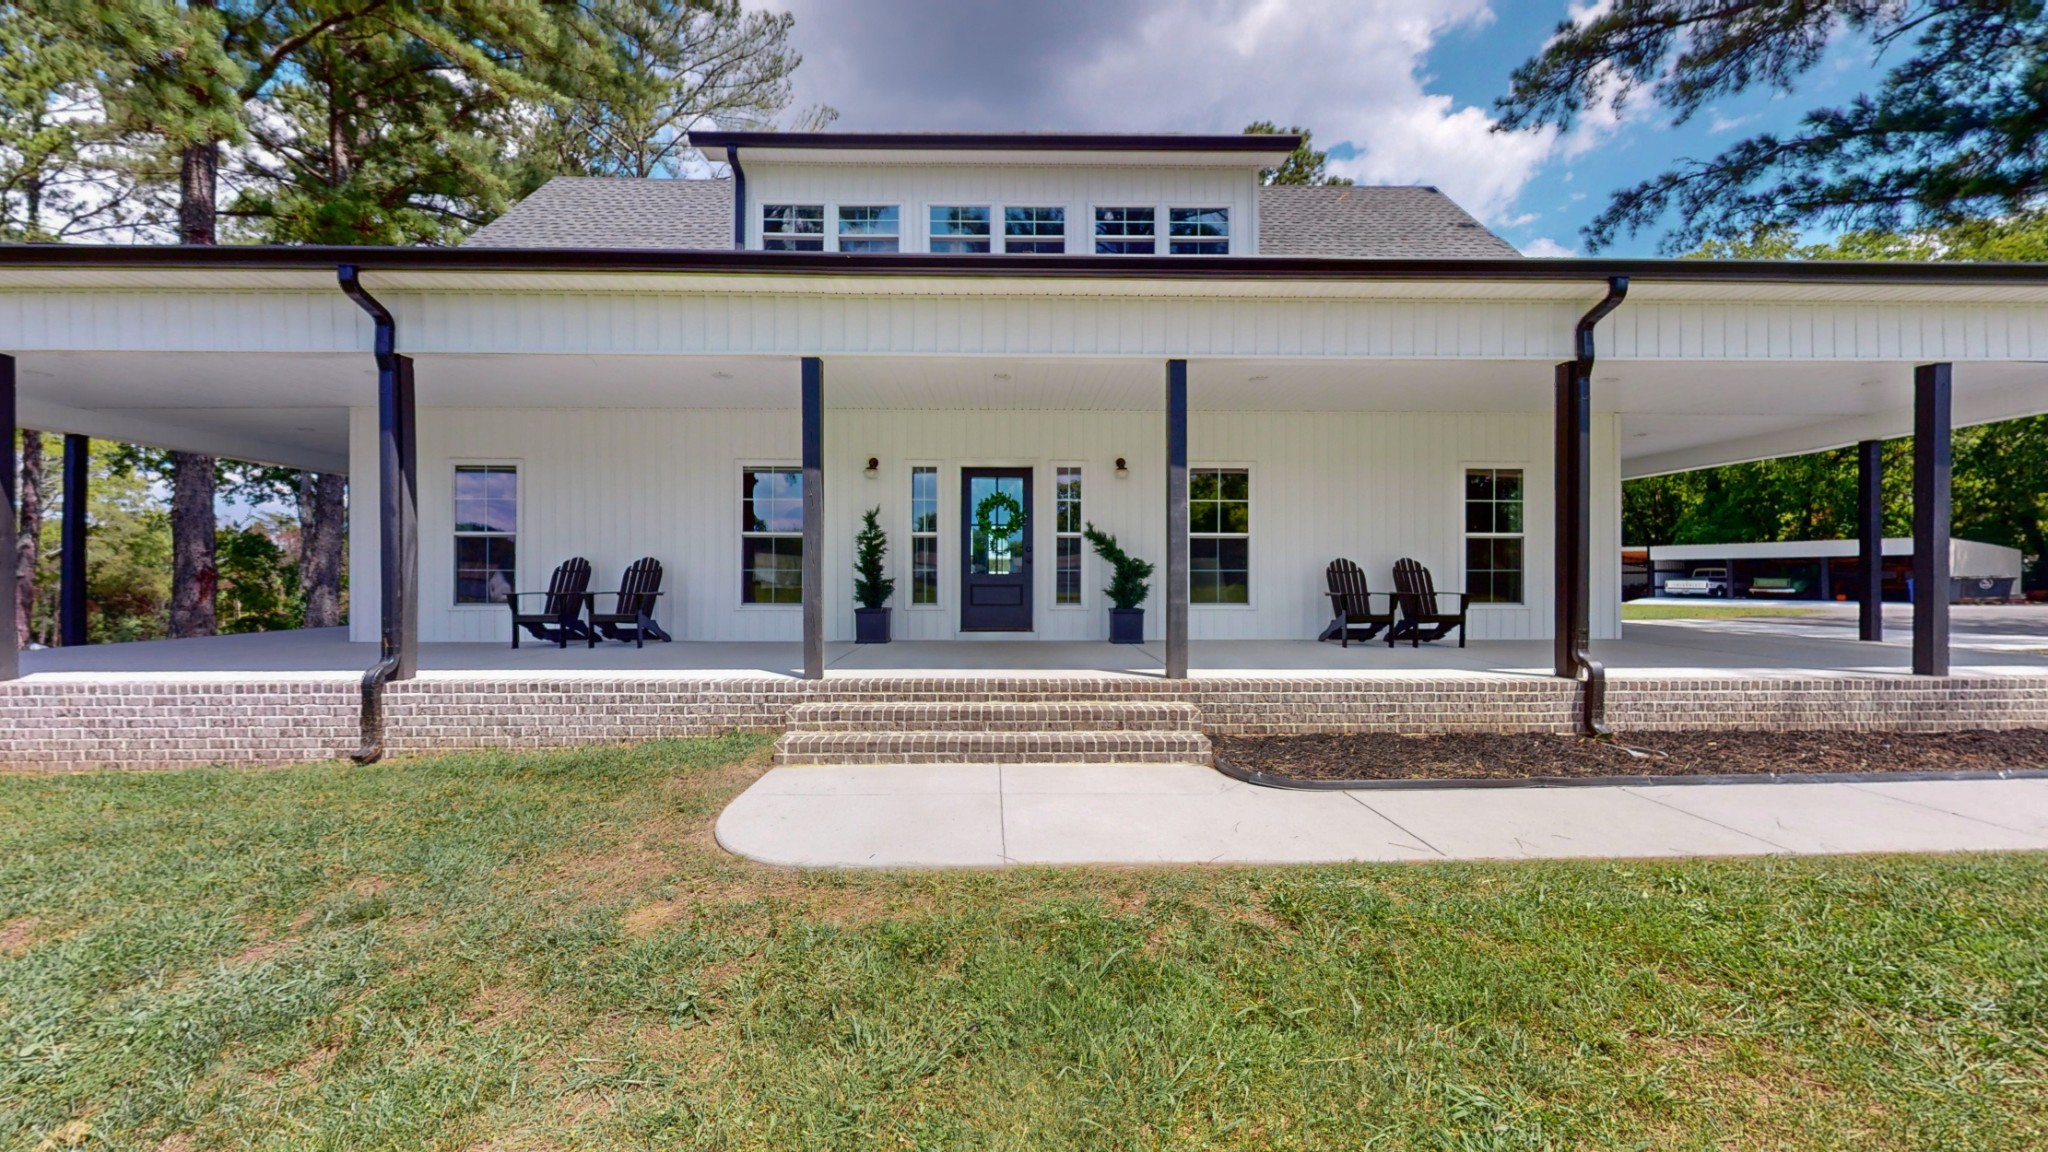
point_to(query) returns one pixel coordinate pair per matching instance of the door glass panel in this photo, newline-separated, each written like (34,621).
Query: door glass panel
(995,528)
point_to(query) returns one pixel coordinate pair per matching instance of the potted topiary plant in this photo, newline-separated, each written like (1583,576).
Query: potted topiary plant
(871,584)
(1127,589)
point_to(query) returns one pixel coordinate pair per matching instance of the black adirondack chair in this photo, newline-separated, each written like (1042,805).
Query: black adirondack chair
(1421,617)
(1351,611)
(632,614)
(561,606)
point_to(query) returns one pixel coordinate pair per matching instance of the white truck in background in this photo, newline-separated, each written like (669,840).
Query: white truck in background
(1702,582)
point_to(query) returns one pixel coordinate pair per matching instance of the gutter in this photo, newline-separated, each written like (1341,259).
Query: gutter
(377,675)
(1594,719)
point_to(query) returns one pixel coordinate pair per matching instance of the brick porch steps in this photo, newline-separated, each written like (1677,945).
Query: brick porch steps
(993,732)
(996,716)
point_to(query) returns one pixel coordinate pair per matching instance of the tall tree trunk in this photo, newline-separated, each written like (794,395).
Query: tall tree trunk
(28,544)
(194,578)
(321,531)
(198,185)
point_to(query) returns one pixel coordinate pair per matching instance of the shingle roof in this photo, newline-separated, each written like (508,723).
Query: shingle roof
(1413,222)
(1371,222)
(615,212)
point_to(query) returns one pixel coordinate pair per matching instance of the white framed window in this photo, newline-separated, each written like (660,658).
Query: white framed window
(1034,230)
(959,228)
(924,535)
(1067,522)
(1219,535)
(870,228)
(771,534)
(1198,231)
(793,227)
(1494,502)
(486,532)
(1126,231)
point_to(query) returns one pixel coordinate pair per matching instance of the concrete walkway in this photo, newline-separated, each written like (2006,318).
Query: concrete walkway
(984,816)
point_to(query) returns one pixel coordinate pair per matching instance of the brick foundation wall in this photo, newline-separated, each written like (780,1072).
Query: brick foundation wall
(136,724)
(140,723)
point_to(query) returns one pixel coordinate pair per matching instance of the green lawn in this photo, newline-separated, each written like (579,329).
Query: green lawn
(1709,611)
(548,951)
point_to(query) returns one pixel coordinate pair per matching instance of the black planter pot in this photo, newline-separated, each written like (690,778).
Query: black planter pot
(1126,625)
(870,625)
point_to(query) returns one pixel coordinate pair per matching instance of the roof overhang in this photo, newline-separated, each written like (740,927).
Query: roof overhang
(1069,148)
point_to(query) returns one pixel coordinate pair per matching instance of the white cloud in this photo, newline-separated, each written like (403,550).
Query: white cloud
(1352,70)
(1718,123)
(1545,246)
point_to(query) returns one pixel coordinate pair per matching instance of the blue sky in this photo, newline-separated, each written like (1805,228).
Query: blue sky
(1401,91)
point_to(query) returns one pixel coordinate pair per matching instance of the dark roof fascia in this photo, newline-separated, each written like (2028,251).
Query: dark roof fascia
(1000,141)
(1515,269)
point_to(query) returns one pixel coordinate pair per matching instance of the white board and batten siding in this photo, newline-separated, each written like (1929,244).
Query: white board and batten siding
(1079,189)
(617,484)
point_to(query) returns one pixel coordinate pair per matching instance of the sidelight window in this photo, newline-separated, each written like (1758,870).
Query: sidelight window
(1067,535)
(924,534)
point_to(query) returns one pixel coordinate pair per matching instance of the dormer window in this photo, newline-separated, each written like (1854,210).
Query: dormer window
(793,227)
(869,228)
(1035,230)
(1198,231)
(1126,231)
(959,230)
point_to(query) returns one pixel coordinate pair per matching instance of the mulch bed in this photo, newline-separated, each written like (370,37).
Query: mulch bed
(1501,757)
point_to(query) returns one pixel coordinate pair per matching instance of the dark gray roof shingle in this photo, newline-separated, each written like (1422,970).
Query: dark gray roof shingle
(615,212)
(1371,222)
(1382,222)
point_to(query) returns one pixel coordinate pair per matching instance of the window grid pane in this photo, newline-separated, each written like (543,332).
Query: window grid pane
(1125,232)
(868,228)
(486,528)
(1035,230)
(771,536)
(1493,535)
(960,229)
(1067,523)
(793,227)
(1198,231)
(924,534)
(1219,543)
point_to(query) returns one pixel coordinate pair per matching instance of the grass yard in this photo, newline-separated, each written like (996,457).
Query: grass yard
(548,951)
(1722,610)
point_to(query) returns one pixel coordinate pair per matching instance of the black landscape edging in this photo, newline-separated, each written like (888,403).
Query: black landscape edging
(1268,780)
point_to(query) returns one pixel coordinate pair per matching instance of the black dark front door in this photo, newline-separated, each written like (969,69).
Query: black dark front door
(995,585)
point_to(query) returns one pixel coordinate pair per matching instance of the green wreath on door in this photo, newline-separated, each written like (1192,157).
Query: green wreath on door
(985,526)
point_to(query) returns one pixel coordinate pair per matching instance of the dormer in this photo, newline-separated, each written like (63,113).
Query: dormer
(1008,194)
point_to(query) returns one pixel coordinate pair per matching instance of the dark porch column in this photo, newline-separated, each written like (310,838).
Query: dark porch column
(1870,539)
(1176,519)
(814,517)
(399,529)
(71,547)
(1572,568)
(10,650)
(1931,494)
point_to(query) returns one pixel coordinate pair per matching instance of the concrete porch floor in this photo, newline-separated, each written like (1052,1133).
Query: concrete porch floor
(1993,641)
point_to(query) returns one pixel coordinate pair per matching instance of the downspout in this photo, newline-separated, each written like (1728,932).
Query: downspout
(1594,721)
(739,198)
(380,673)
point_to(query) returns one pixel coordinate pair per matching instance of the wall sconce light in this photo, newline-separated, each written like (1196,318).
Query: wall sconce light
(874,468)
(1123,470)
